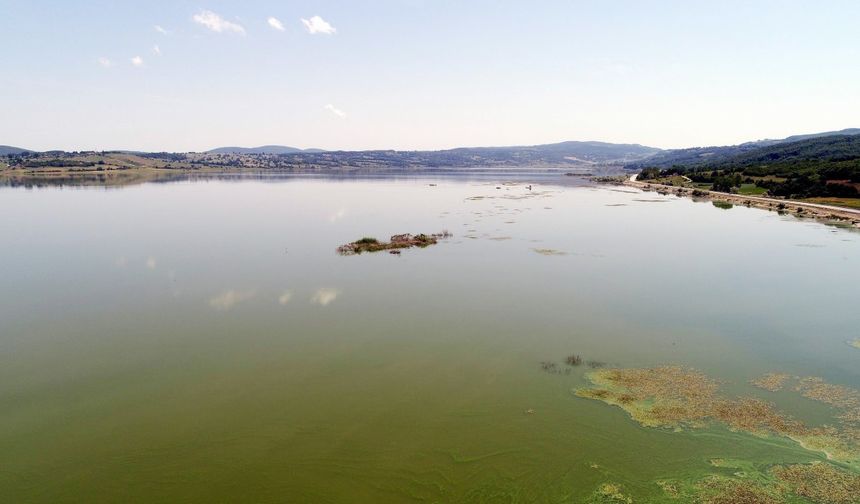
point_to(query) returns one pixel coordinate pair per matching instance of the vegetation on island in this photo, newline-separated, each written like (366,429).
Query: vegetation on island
(397,242)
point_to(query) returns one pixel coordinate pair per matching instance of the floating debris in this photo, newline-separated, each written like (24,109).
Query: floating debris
(401,241)
(855,343)
(771,381)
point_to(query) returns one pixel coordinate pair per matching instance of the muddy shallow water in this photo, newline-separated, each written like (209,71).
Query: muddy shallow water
(203,341)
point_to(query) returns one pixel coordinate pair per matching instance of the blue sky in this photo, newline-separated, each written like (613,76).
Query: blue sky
(422,74)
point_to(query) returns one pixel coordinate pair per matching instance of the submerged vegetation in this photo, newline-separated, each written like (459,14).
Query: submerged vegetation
(401,241)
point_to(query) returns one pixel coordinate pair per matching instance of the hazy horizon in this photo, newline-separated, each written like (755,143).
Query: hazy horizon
(416,75)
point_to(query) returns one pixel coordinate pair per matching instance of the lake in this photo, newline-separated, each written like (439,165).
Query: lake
(202,341)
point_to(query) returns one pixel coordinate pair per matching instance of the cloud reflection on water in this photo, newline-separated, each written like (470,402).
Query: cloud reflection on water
(325,296)
(230,298)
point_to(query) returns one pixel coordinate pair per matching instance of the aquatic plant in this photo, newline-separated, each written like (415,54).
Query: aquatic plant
(820,482)
(548,366)
(573,360)
(609,493)
(771,381)
(677,397)
(721,490)
(845,399)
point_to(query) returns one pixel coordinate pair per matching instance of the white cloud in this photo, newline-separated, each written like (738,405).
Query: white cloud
(137,61)
(105,62)
(317,24)
(276,23)
(324,297)
(216,23)
(230,298)
(334,110)
(160,30)
(150,263)
(285,298)
(156,50)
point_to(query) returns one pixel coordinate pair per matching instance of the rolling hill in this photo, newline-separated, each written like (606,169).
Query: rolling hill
(265,149)
(7,150)
(709,156)
(815,167)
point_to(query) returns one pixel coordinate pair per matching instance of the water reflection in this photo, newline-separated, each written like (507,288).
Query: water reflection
(285,298)
(230,298)
(325,296)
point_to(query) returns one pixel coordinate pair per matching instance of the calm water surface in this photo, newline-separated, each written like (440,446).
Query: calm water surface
(203,342)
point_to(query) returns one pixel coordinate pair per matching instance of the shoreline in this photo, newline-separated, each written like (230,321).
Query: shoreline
(797,208)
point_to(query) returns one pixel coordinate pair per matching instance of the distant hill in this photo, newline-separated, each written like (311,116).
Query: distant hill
(816,166)
(847,131)
(571,151)
(709,156)
(265,149)
(563,152)
(6,150)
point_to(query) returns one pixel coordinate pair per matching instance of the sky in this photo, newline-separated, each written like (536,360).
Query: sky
(179,75)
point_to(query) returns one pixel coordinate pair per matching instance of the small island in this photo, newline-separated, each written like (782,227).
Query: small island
(393,246)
